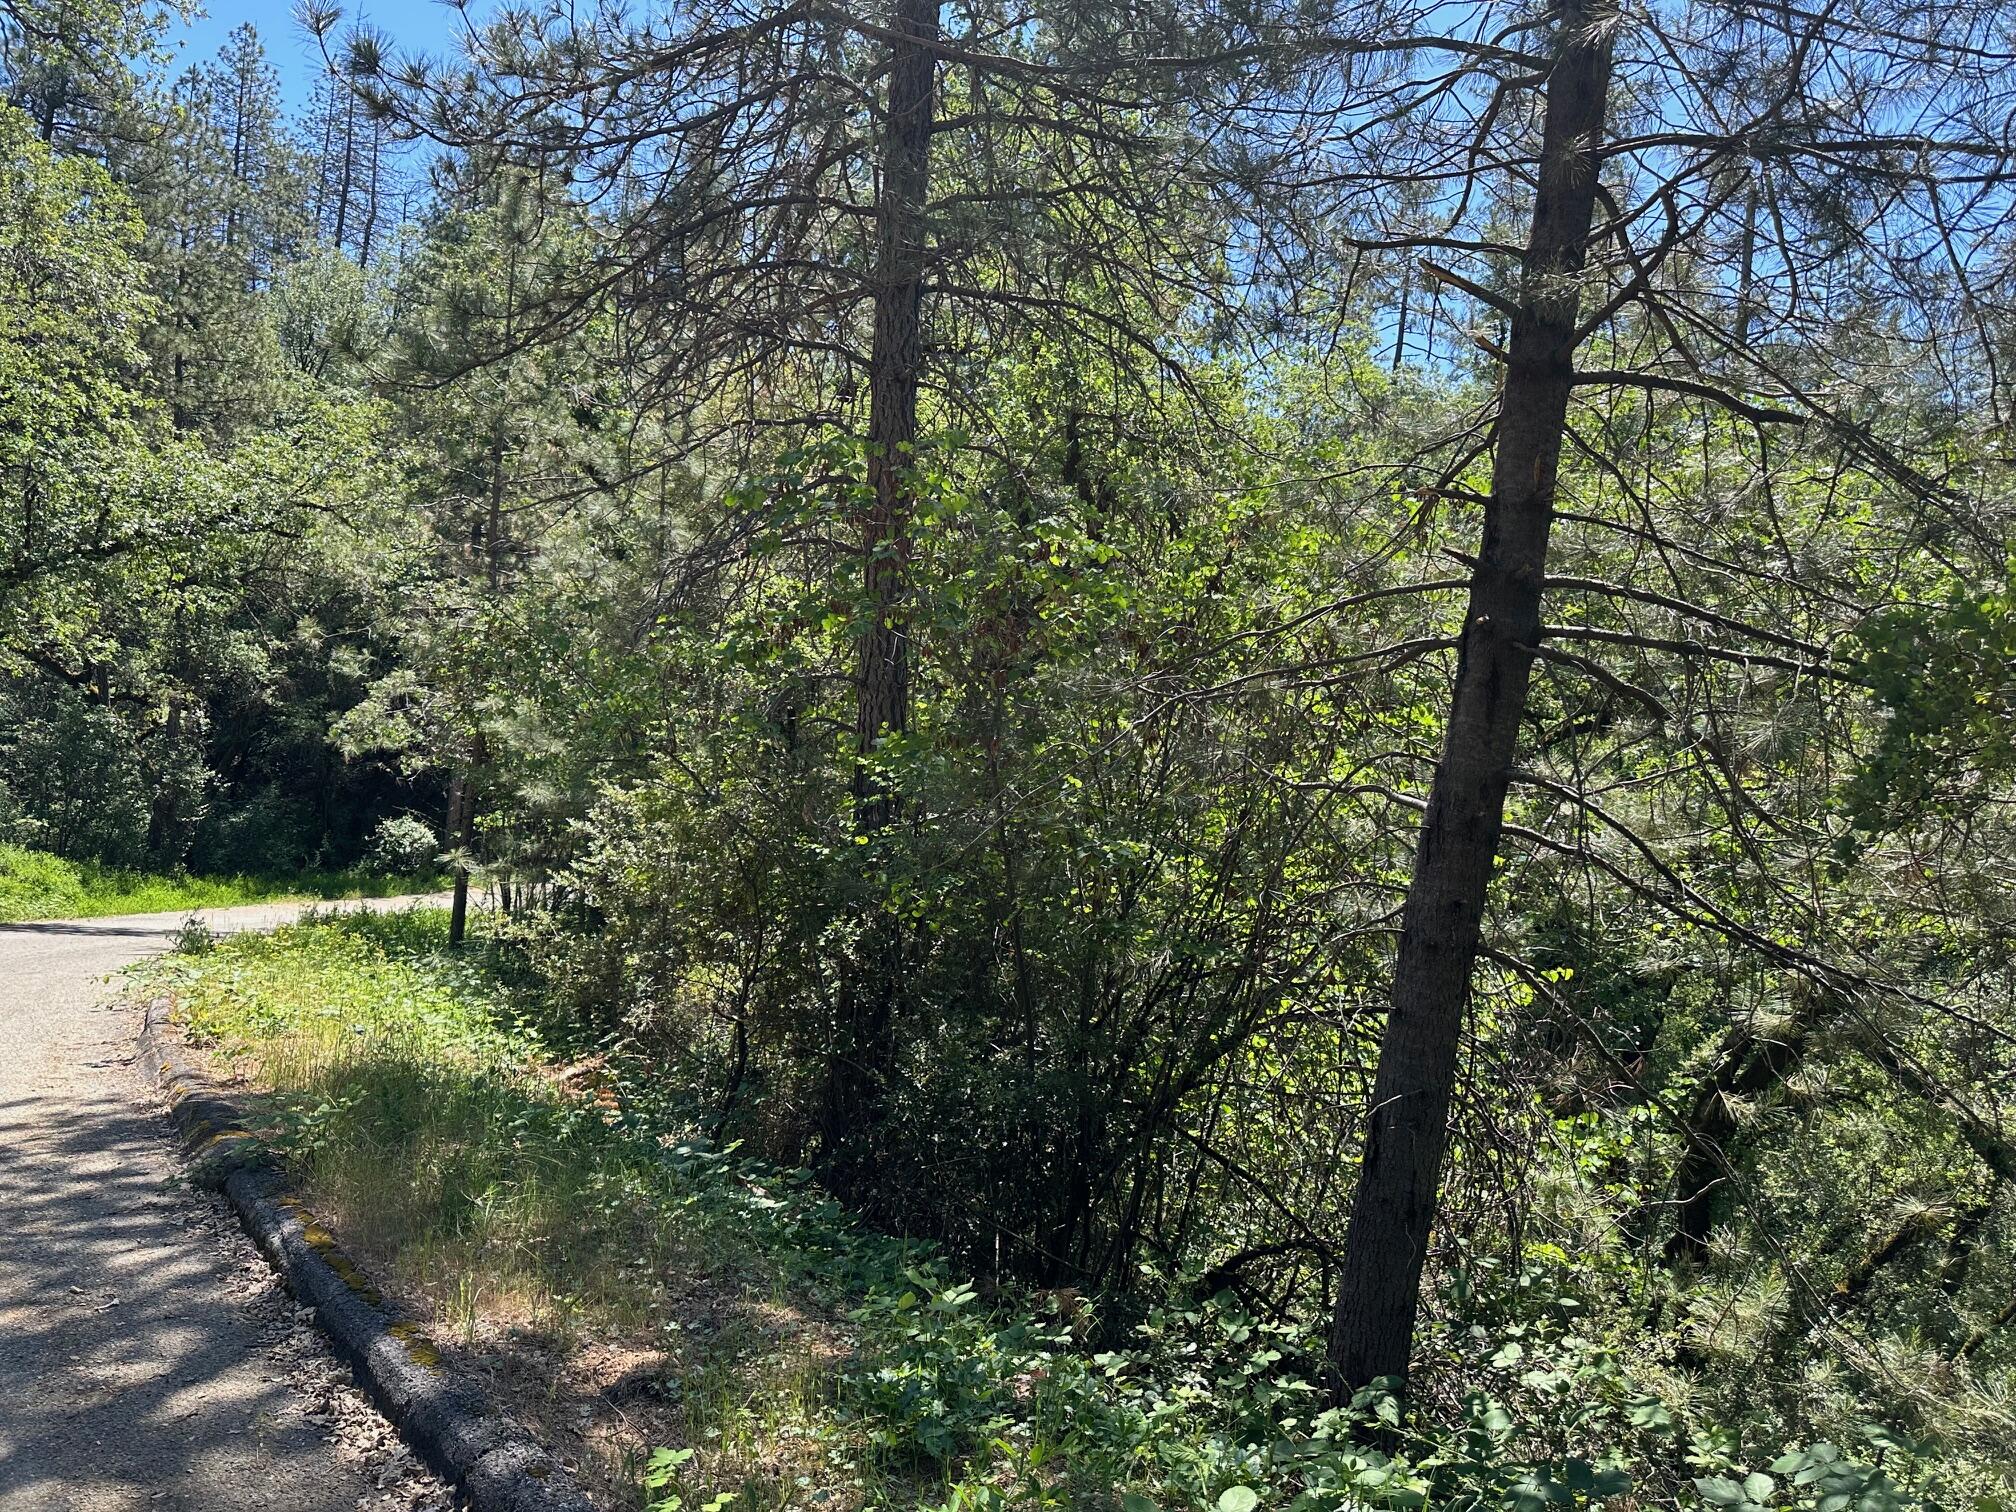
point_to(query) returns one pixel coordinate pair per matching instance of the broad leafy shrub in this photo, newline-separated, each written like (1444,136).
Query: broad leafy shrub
(401,845)
(78,778)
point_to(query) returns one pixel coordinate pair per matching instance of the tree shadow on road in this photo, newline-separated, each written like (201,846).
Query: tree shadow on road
(134,1374)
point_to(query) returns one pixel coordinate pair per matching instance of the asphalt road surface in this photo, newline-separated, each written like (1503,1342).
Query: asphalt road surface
(134,1375)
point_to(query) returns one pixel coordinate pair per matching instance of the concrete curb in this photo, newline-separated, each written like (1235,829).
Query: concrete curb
(488,1457)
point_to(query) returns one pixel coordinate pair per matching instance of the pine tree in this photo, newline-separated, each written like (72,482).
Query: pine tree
(76,69)
(221,188)
(213,355)
(265,216)
(358,190)
(818,237)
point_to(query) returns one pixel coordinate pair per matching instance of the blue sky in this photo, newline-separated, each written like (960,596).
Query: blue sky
(413,25)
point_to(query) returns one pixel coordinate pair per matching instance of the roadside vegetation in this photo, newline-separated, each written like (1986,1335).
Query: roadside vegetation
(528,1188)
(36,885)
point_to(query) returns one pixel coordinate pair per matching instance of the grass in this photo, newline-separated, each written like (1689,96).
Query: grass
(706,1332)
(36,885)
(526,1192)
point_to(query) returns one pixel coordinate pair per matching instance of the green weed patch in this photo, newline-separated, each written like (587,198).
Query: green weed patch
(36,885)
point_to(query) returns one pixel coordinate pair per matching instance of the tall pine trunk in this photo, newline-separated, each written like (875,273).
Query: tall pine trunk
(1393,1212)
(862,1059)
(345,169)
(895,370)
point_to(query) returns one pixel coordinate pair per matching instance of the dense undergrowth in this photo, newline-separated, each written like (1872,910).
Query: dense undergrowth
(444,1121)
(36,885)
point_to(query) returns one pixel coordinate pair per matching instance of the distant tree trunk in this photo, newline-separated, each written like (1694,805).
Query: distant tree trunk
(1980,1336)
(1400,333)
(163,817)
(368,236)
(1746,276)
(326,104)
(1990,1146)
(1959,1257)
(346,167)
(1393,1211)
(1913,1231)
(1750,1065)
(459,826)
(241,117)
(493,512)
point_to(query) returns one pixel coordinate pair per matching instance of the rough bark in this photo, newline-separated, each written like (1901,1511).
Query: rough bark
(861,1060)
(1386,1243)
(895,370)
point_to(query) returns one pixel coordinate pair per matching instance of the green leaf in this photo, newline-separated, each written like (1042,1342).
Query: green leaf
(1650,1412)
(1611,1480)
(1238,1499)
(1720,1490)
(663,1466)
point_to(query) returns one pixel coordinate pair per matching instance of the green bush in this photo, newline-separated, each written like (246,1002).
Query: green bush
(74,773)
(34,885)
(402,844)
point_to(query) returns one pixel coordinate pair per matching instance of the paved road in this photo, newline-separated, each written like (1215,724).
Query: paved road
(131,1380)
